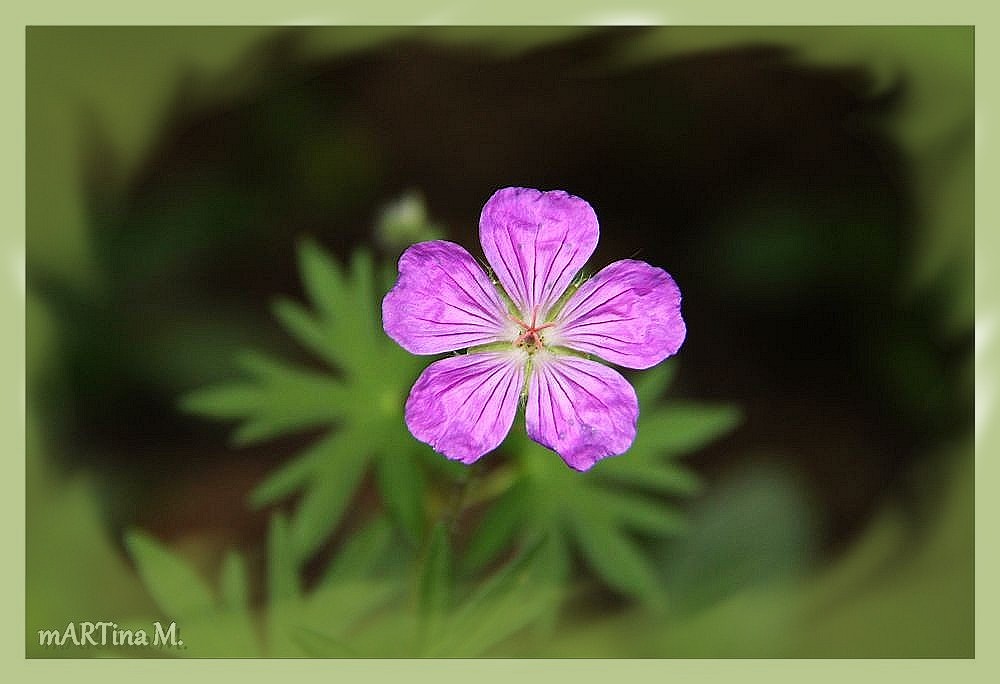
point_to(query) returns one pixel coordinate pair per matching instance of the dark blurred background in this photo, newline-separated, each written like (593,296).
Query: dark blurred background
(782,194)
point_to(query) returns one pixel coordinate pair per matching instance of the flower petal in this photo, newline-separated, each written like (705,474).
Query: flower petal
(629,314)
(580,409)
(463,406)
(536,243)
(443,301)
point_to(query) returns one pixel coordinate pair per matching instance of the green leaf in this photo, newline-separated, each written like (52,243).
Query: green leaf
(497,528)
(554,555)
(324,503)
(282,399)
(639,513)
(296,473)
(499,584)
(612,556)
(282,575)
(175,587)
(235,400)
(683,427)
(434,595)
(362,404)
(292,399)
(307,330)
(402,486)
(341,609)
(322,278)
(317,645)
(344,304)
(512,598)
(551,569)
(361,553)
(365,302)
(600,511)
(668,478)
(234,587)
(651,384)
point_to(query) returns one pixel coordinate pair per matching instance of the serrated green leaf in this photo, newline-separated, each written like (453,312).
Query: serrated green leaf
(402,486)
(345,333)
(301,325)
(175,587)
(365,398)
(322,277)
(613,557)
(682,427)
(362,276)
(284,399)
(324,503)
(497,528)
(294,402)
(304,385)
(234,587)
(344,303)
(597,511)
(295,473)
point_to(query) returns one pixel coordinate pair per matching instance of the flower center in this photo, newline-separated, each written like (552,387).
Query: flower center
(531,334)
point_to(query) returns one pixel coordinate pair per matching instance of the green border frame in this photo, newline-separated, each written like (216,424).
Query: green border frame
(18,15)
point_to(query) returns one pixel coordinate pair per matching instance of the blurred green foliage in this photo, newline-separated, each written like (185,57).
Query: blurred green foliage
(531,501)
(364,400)
(595,512)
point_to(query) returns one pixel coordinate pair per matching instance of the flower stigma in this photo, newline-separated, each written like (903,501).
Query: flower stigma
(531,335)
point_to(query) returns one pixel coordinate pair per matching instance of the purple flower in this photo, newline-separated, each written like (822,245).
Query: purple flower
(530,332)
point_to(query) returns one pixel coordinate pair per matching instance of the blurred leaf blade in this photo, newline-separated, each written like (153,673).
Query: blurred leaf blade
(677,427)
(177,589)
(497,529)
(282,576)
(235,588)
(616,559)
(361,553)
(325,503)
(303,327)
(434,597)
(295,474)
(317,645)
(508,601)
(402,487)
